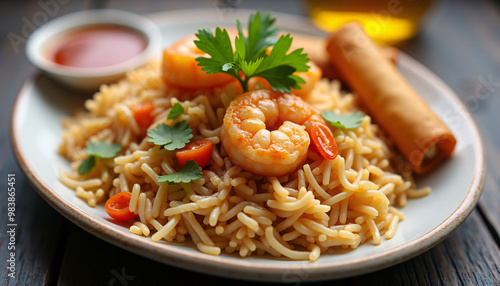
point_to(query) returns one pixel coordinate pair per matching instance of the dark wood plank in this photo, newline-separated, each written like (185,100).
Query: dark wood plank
(461,46)
(37,238)
(459,260)
(91,261)
(39,229)
(490,199)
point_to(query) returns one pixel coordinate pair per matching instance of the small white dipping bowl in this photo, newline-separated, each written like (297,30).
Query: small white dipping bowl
(89,79)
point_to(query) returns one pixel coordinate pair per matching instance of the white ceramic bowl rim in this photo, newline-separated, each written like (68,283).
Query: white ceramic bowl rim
(37,40)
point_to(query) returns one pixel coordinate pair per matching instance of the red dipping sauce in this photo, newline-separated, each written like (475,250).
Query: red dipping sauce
(97,46)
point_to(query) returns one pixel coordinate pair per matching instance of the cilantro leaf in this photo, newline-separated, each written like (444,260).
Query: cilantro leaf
(102,149)
(278,79)
(171,138)
(176,111)
(250,58)
(278,56)
(251,67)
(86,166)
(346,121)
(218,47)
(181,134)
(189,172)
(260,34)
(97,150)
(162,135)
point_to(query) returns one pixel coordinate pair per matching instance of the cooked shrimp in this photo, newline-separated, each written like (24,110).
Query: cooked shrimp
(311,77)
(181,70)
(266,132)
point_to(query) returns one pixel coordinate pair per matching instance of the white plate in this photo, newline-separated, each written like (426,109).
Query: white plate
(456,184)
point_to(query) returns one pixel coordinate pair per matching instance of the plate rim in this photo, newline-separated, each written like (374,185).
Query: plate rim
(262,271)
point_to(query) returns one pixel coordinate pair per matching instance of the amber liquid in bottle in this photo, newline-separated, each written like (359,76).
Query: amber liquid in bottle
(385,21)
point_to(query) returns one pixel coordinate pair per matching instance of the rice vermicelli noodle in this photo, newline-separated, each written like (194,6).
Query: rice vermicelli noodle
(319,205)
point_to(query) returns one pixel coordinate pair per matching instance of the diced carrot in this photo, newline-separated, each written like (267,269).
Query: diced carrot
(143,114)
(200,151)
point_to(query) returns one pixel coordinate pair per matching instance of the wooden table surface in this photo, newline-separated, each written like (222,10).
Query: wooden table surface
(459,41)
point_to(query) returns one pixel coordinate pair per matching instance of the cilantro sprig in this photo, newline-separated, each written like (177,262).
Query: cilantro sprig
(189,172)
(171,138)
(249,58)
(97,150)
(346,121)
(176,111)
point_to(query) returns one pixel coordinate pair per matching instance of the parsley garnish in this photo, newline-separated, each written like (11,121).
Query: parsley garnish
(176,111)
(87,165)
(171,138)
(346,121)
(97,150)
(250,56)
(189,172)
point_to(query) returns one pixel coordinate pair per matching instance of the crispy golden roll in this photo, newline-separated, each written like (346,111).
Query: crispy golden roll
(315,48)
(420,135)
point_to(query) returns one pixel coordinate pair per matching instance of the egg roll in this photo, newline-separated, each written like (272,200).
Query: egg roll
(419,134)
(315,48)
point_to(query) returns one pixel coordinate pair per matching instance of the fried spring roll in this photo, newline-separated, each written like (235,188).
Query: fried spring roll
(315,48)
(422,138)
